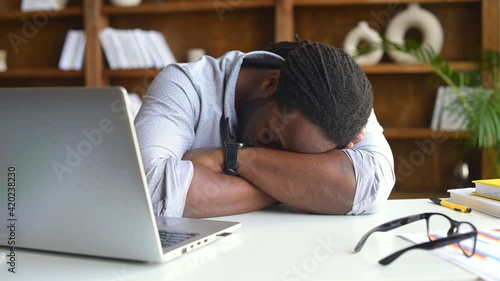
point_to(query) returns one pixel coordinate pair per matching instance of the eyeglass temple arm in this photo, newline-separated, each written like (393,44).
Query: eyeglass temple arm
(388,226)
(428,246)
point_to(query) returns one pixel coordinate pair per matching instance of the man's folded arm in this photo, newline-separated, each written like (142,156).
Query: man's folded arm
(353,181)
(318,183)
(217,194)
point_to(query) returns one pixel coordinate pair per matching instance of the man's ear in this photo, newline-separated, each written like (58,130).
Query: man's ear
(270,84)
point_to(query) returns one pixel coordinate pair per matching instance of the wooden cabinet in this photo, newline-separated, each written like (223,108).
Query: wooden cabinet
(404,93)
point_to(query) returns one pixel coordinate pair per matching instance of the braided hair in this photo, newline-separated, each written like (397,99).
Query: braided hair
(326,85)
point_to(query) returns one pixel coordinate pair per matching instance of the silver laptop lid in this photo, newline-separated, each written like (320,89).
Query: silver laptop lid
(71,159)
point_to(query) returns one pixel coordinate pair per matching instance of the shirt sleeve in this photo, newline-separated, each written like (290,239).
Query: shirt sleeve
(373,164)
(165,127)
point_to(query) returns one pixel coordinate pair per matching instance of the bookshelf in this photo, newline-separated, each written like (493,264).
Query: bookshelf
(404,97)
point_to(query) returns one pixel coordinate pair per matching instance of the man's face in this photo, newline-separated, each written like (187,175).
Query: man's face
(264,123)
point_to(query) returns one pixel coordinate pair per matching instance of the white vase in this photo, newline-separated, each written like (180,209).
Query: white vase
(125,3)
(424,21)
(362,32)
(195,54)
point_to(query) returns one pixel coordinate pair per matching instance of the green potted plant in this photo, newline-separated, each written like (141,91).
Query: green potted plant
(478,93)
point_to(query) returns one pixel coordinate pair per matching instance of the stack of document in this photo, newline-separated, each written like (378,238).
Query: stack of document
(468,197)
(135,48)
(73,50)
(42,5)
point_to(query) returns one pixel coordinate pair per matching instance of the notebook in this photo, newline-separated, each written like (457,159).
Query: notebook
(466,197)
(73,180)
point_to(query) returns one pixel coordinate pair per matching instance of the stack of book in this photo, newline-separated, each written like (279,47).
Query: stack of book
(73,50)
(135,48)
(42,5)
(485,197)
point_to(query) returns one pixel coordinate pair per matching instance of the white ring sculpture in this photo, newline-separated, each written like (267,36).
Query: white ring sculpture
(414,17)
(125,3)
(363,32)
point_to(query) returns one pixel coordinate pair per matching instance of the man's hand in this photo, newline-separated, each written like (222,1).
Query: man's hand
(357,139)
(211,158)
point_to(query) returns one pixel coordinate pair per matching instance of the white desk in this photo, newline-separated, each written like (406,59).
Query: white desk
(275,244)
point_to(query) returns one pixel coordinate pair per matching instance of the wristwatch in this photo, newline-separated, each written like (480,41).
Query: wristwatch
(231,158)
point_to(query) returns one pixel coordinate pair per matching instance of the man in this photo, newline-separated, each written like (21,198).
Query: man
(301,110)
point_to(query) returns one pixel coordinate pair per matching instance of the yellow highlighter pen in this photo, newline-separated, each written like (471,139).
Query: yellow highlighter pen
(451,205)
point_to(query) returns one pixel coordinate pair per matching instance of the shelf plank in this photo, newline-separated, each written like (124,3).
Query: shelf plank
(131,73)
(394,68)
(375,2)
(184,6)
(383,68)
(18,14)
(421,133)
(40,72)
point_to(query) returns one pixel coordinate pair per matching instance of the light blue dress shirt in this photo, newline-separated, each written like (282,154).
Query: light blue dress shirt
(182,111)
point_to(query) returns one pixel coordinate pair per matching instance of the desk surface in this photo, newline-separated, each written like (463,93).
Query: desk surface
(275,244)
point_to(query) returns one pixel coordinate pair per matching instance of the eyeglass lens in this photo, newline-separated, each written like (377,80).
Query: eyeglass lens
(439,227)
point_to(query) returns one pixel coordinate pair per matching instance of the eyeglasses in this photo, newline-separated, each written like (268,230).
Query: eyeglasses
(460,232)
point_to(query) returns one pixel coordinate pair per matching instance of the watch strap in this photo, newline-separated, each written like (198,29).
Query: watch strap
(231,158)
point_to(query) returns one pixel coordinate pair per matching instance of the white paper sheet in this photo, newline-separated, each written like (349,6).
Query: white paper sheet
(485,262)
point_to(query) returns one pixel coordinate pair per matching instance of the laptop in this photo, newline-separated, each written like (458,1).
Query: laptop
(72,179)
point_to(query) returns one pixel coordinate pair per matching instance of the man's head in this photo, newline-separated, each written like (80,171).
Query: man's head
(319,90)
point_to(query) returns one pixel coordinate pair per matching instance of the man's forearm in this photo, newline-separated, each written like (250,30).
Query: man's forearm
(319,183)
(216,194)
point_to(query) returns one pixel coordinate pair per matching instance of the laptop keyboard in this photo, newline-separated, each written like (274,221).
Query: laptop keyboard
(169,238)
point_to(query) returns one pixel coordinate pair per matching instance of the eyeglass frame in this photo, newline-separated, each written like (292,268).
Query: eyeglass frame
(451,238)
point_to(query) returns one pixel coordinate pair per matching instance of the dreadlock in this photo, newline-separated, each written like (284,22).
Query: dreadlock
(326,85)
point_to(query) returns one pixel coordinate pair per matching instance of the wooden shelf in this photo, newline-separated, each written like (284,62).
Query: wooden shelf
(374,2)
(383,68)
(17,14)
(40,72)
(130,73)
(394,68)
(420,133)
(184,6)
